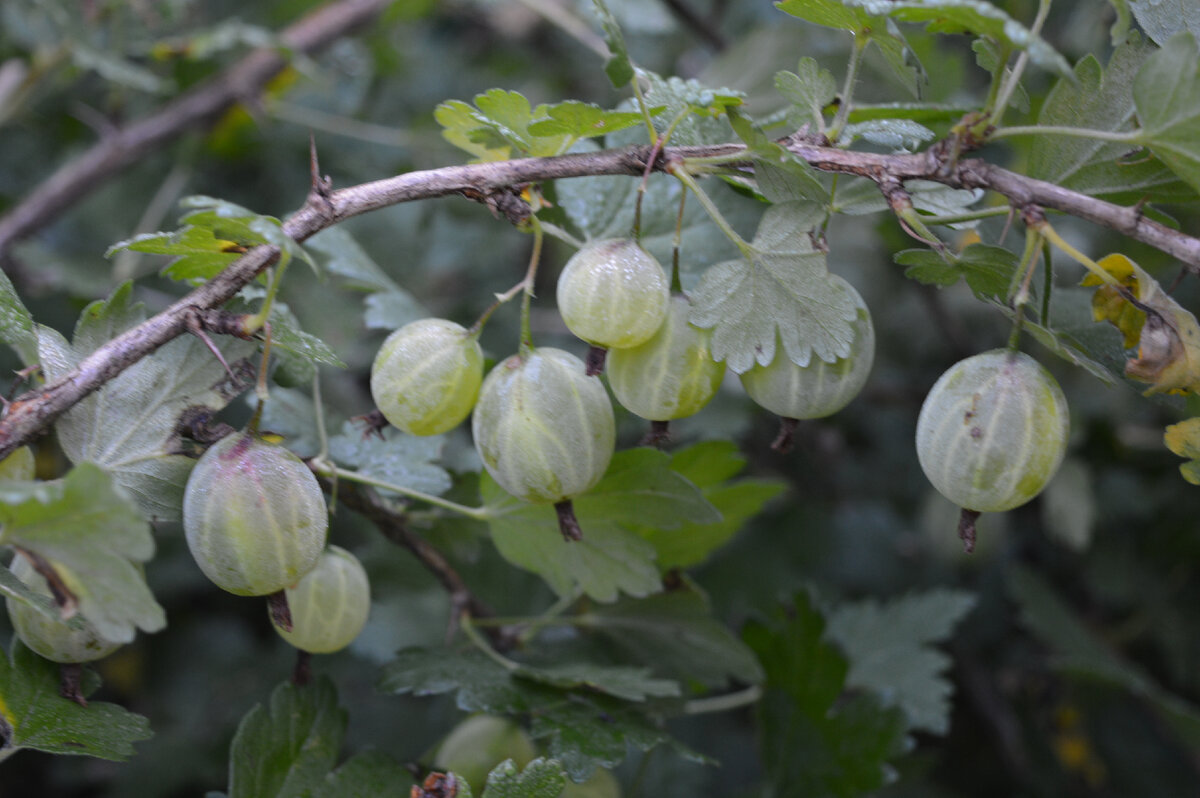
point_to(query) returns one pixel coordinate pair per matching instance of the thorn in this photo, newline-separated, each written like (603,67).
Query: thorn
(197,329)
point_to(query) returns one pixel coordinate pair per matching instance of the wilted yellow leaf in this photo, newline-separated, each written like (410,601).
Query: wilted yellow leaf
(1166,335)
(1184,440)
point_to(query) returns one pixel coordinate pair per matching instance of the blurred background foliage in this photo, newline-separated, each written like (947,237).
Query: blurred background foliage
(1086,625)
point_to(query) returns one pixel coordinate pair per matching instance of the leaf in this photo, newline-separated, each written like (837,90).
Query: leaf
(676,634)
(16,324)
(1166,92)
(582,120)
(33,715)
(1120,29)
(1078,650)
(619,67)
(809,89)
(890,653)
(130,426)
(1162,19)
(701,108)
(93,535)
(780,175)
(639,486)
(371,774)
(13,588)
(479,684)
(988,270)
(897,135)
(344,257)
(288,747)
(1167,335)
(541,778)
(814,742)
(780,292)
(391,310)
(1184,440)
(619,681)
(710,465)
(393,456)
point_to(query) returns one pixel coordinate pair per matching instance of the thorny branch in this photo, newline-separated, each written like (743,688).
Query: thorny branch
(496,184)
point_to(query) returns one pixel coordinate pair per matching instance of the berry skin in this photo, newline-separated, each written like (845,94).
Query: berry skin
(426,376)
(612,293)
(544,429)
(818,389)
(54,640)
(992,431)
(254,516)
(480,743)
(329,604)
(670,376)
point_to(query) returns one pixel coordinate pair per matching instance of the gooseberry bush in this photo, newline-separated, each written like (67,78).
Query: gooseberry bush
(639,479)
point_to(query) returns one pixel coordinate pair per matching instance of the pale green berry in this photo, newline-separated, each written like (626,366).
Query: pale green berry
(329,605)
(612,293)
(50,638)
(480,743)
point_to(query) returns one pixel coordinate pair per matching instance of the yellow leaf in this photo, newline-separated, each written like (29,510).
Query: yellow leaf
(1184,440)
(1166,335)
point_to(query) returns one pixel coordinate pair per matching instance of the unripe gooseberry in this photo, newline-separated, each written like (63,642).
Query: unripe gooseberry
(329,605)
(19,465)
(53,639)
(426,376)
(543,428)
(672,375)
(480,743)
(817,389)
(254,516)
(602,784)
(992,431)
(612,293)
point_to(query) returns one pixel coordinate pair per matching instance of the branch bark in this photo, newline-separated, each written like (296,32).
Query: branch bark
(196,108)
(497,184)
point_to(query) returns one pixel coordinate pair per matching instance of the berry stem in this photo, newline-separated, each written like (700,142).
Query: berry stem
(526,344)
(594,362)
(302,670)
(684,176)
(568,524)
(843,114)
(658,436)
(281,613)
(325,469)
(70,682)
(787,435)
(966,528)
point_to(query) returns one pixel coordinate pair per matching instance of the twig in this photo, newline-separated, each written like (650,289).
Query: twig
(190,111)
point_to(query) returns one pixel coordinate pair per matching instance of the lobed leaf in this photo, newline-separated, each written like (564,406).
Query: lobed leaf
(1184,440)
(16,324)
(1166,92)
(33,715)
(619,67)
(541,778)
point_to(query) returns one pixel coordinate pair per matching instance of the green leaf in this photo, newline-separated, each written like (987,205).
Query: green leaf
(16,324)
(13,588)
(809,89)
(392,456)
(619,681)
(479,684)
(287,748)
(33,715)
(541,778)
(1162,19)
(1166,92)
(780,292)
(1119,32)
(391,310)
(1080,651)
(93,534)
(780,175)
(925,113)
(709,465)
(130,426)
(701,107)
(830,13)
(638,487)
(816,743)
(987,269)
(619,67)
(370,774)
(341,255)
(897,135)
(582,120)
(675,634)
(889,652)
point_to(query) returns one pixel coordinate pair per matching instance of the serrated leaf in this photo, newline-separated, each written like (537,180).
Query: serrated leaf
(639,487)
(16,324)
(199,253)
(898,135)
(619,681)
(619,68)
(987,269)
(541,778)
(286,748)
(709,466)
(371,774)
(92,534)
(780,175)
(925,113)
(1166,92)
(1162,19)
(676,634)
(780,293)
(500,126)
(830,13)
(582,120)
(33,715)
(130,426)
(889,650)
(1184,440)
(393,456)
(701,107)
(230,220)
(1076,649)
(480,684)
(1064,344)
(815,744)
(809,89)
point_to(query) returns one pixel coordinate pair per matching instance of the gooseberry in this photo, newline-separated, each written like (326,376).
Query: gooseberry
(613,294)
(56,640)
(254,515)
(426,376)
(329,604)
(993,431)
(480,743)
